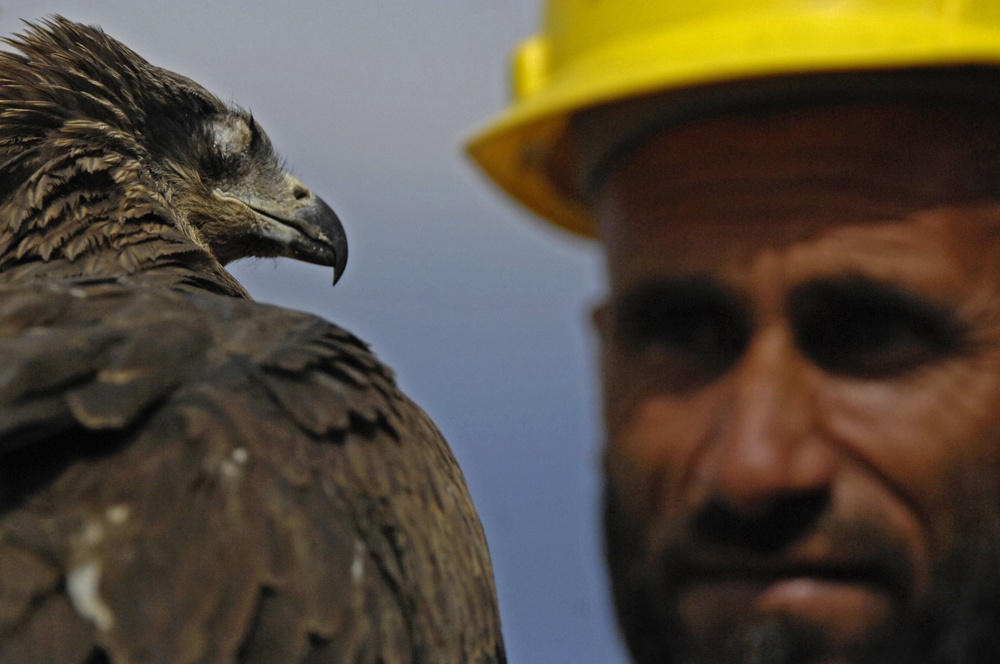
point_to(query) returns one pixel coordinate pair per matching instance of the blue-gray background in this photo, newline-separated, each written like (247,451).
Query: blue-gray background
(482,311)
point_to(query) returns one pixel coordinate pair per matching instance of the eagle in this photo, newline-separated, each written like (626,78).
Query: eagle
(187,475)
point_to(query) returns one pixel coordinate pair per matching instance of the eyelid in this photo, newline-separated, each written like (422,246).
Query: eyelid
(695,317)
(859,292)
(679,335)
(868,329)
(232,136)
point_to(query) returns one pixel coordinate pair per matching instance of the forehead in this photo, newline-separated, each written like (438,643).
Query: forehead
(895,191)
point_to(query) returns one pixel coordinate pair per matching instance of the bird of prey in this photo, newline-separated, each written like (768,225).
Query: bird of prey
(186,475)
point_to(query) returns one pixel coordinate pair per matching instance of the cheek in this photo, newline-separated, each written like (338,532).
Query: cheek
(928,437)
(652,442)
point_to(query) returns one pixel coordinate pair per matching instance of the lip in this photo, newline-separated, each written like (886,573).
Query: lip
(846,598)
(815,559)
(813,592)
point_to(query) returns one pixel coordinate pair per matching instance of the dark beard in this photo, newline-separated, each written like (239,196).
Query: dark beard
(774,640)
(960,624)
(963,623)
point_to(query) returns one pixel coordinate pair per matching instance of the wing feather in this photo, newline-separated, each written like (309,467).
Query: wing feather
(267,495)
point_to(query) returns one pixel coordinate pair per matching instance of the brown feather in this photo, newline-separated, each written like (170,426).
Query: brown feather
(185,475)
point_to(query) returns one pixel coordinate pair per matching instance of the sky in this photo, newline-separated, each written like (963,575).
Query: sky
(482,310)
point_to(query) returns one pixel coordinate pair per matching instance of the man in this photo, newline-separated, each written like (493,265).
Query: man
(800,208)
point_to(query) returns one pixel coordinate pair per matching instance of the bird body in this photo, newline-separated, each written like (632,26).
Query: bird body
(187,475)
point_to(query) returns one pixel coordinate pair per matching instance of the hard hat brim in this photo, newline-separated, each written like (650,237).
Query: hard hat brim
(514,150)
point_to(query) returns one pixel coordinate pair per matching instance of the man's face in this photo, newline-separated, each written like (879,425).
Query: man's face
(801,361)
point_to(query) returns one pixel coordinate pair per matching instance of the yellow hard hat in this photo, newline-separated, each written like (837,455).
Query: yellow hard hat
(592,52)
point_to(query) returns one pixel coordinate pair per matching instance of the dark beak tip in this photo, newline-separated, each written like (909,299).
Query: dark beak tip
(334,229)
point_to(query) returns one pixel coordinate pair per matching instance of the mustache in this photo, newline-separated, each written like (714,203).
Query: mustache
(652,555)
(716,543)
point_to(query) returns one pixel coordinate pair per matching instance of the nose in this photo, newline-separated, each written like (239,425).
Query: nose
(765,458)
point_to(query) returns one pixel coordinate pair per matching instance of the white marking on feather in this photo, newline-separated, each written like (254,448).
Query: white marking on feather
(358,564)
(231,467)
(119,377)
(93,533)
(118,514)
(83,586)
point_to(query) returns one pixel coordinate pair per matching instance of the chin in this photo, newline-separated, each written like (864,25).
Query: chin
(786,639)
(958,625)
(955,622)
(658,634)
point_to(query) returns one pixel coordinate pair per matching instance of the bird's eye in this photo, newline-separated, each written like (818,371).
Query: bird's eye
(230,140)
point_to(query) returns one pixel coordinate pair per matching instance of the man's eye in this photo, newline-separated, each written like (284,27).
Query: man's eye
(690,332)
(860,328)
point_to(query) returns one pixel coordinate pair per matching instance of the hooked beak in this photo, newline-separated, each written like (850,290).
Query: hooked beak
(309,232)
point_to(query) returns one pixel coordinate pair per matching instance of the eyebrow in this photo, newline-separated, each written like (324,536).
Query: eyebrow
(939,322)
(632,307)
(862,288)
(693,289)
(828,291)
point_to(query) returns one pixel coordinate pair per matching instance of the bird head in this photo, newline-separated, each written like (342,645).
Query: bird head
(74,93)
(229,184)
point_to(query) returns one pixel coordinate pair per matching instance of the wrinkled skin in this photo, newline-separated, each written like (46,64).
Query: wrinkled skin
(801,365)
